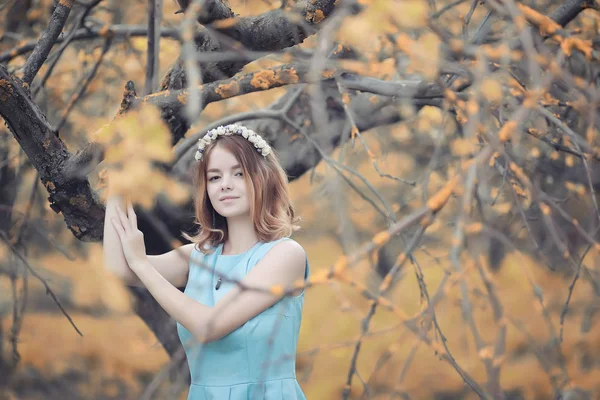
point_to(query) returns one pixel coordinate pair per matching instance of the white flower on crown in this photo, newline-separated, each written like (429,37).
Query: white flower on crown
(261,145)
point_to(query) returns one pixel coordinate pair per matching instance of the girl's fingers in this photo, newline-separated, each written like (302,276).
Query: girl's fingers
(131,215)
(123,222)
(118,227)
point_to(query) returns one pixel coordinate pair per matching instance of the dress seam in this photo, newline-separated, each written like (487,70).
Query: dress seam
(247,383)
(190,265)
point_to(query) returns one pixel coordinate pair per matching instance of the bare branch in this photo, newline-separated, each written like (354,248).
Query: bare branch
(83,215)
(82,87)
(212,10)
(152,65)
(48,39)
(570,9)
(15,16)
(58,54)
(48,289)
(95,32)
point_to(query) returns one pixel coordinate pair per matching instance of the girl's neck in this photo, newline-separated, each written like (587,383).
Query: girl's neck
(242,237)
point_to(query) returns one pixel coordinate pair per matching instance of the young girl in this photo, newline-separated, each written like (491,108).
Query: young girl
(239,316)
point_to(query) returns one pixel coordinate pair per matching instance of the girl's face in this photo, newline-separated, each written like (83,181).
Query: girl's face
(226,185)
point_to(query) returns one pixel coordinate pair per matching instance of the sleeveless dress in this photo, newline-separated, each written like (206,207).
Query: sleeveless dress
(257,360)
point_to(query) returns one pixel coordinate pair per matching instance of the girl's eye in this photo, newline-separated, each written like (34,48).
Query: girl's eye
(212,178)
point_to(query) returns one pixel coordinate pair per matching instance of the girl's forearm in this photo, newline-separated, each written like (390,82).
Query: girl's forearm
(194,316)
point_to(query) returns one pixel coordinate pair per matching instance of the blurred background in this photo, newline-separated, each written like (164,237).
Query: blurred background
(443,156)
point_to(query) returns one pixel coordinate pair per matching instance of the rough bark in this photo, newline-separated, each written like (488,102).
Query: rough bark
(8,189)
(48,39)
(270,31)
(48,154)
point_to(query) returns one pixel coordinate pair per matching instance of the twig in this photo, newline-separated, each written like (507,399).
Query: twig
(188,143)
(34,273)
(500,346)
(385,286)
(152,63)
(579,144)
(82,87)
(48,39)
(117,31)
(55,57)
(20,232)
(579,265)
(444,353)
(457,245)
(337,166)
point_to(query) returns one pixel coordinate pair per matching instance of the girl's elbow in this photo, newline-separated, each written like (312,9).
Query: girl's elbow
(206,336)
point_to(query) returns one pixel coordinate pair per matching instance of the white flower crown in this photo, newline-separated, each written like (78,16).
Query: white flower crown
(233,129)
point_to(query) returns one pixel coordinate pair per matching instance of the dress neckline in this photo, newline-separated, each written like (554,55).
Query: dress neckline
(220,251)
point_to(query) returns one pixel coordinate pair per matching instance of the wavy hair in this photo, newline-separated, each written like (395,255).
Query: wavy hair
(271,210)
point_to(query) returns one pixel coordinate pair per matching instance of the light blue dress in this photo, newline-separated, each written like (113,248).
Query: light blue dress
(257,360)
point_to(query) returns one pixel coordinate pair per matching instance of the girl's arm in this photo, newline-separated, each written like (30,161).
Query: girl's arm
(279,269)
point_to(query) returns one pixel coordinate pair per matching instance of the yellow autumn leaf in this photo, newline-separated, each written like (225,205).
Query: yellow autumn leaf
(577,188)
(502,208)
(462,147)
(429,118)
(422,52)
(134,143)
(381,238)
(139,134)
(494,192)
(358,32)
(80,56)
(535,152)
(491,90)
(569,160)
(277,290)
(139,43)
(486,353)
(408,14)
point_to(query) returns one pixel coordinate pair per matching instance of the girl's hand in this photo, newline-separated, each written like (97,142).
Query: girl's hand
(132,239)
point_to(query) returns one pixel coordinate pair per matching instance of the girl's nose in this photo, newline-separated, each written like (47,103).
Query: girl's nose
(225,182)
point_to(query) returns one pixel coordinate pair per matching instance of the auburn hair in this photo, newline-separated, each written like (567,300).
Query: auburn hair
(270,207)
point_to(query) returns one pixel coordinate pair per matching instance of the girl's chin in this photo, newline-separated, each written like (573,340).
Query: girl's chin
(233,214)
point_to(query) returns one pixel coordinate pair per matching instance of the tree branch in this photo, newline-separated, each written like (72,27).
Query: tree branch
(271,31)
(56,56)
(570,9)
(48,39)
(152,65)
(212,10)
(95,32)
(15,16)
(34,273)
(48,154)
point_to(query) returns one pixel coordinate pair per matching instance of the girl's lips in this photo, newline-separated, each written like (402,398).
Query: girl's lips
(229,199)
